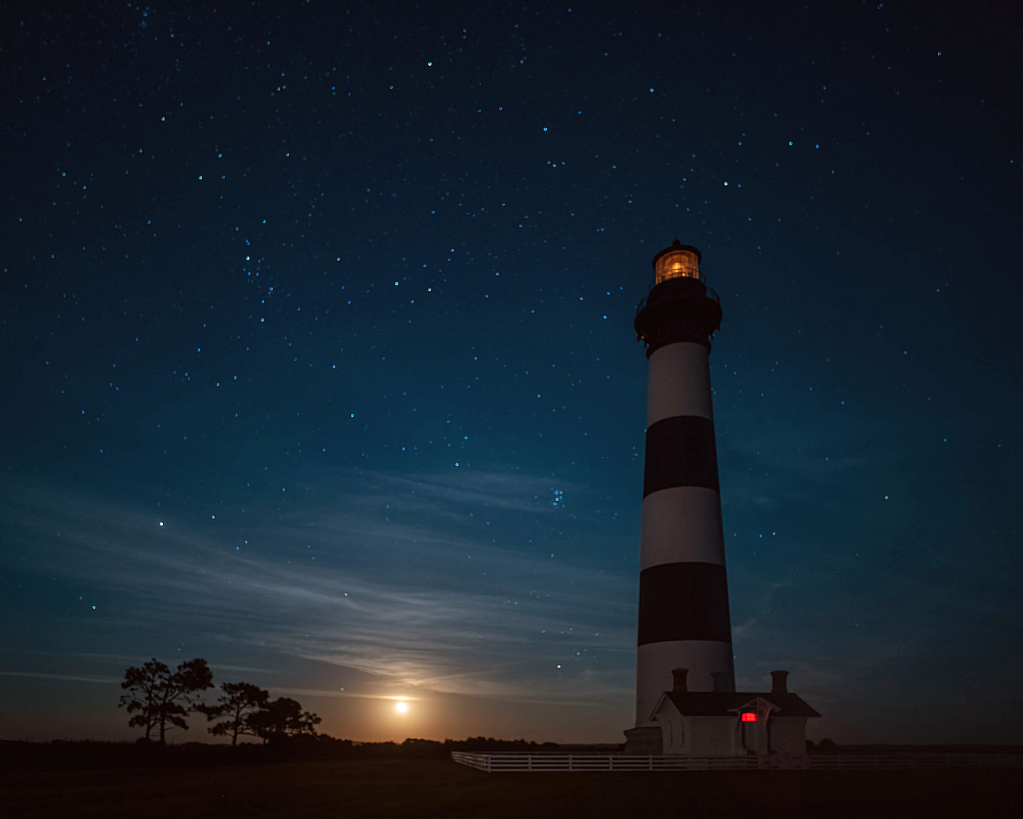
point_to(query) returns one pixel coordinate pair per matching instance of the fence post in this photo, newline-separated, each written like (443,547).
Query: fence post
(488,763)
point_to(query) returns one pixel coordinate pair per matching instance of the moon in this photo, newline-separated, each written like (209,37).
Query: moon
(401,707)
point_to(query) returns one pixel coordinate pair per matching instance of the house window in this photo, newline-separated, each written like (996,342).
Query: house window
(749,716)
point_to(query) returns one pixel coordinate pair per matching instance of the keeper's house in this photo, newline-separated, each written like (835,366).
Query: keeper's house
(770,725)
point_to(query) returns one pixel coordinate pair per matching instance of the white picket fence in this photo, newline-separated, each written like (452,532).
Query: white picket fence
(492,763)
(497,762)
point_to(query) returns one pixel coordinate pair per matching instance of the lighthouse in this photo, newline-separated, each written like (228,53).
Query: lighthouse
(684,623)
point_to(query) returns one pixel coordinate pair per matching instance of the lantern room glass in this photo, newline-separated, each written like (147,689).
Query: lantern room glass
(677,264)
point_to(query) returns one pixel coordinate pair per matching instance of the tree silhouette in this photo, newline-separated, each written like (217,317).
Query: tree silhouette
(157,697)
(282,718)
(141,700)
(239,702)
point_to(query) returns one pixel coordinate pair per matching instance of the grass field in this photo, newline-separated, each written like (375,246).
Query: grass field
(412,788)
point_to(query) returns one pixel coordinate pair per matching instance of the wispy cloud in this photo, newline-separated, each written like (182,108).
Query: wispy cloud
(45,675)
(418,603)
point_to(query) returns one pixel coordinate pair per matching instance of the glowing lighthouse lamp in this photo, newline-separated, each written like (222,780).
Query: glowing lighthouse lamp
(677,262)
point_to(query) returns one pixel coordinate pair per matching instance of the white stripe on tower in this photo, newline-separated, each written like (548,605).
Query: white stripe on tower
(682,523)
(678,382)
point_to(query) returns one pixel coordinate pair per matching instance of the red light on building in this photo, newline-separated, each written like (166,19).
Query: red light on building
(749,716)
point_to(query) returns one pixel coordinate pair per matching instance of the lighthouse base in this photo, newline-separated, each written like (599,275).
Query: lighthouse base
(644,741)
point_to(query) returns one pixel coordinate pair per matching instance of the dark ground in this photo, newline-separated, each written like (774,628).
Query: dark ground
(436,787)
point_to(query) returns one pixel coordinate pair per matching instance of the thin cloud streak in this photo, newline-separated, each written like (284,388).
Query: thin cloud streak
(411,631)
(45,675)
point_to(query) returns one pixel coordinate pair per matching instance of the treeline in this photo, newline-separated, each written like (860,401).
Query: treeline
(430,747)
(160,699)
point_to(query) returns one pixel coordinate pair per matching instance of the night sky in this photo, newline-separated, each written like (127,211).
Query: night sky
(318,356)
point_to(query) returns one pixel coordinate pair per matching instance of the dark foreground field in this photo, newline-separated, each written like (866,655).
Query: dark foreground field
(409,788)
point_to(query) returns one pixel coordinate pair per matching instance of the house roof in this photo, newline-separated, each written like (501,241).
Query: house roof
(726,703)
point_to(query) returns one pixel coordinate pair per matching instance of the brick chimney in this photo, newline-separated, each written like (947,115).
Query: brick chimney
(778,682)
(678,677)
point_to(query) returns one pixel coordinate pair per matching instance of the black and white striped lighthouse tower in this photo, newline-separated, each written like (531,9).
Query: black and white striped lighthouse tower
(683,596)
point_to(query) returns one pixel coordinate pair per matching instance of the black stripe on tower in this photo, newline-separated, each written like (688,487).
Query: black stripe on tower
(680,451)
(683,601)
